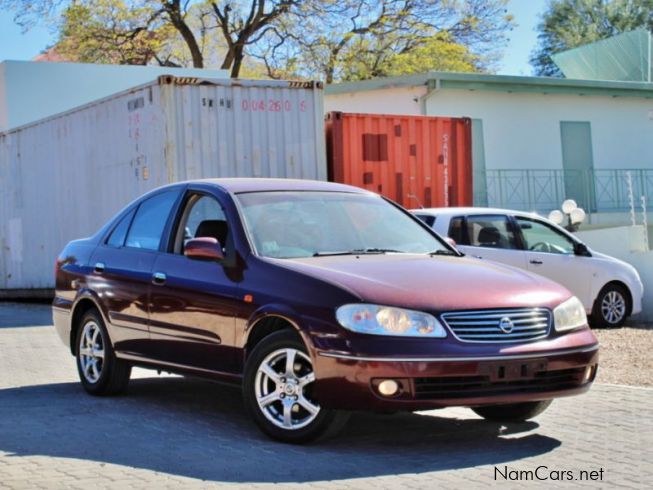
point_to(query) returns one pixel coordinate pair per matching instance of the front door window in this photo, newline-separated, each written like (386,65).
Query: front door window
(539,237)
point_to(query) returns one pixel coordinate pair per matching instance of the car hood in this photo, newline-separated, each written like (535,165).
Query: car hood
(438,283)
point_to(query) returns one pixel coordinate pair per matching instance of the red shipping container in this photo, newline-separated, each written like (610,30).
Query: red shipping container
(417,161)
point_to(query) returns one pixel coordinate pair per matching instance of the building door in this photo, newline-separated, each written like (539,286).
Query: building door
(479,184)
(578,163)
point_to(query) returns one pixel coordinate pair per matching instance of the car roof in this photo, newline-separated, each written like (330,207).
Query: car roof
(455,211)
(245,184)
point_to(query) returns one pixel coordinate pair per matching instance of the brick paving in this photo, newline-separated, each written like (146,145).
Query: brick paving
(172,432)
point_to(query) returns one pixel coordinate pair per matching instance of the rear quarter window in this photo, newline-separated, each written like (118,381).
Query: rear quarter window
(119,233)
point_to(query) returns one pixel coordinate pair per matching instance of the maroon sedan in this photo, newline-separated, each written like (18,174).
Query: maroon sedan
(319,299)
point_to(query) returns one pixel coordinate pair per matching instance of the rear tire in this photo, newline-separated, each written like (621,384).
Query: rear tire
(514,412)
(100,371)
(278,392)
(611,307)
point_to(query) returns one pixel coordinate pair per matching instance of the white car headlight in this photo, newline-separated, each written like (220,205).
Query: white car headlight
(569,315)
(388,320)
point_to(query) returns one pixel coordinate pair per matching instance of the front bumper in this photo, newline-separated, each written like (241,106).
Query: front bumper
(529,372)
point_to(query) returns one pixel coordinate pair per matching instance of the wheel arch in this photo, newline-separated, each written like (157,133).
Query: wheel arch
(267,322)
(85,302)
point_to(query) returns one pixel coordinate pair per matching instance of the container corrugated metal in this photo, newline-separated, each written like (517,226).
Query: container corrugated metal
(417,161)
(62,178)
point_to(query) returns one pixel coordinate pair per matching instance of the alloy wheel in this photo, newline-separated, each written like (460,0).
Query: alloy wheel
(283,388)
(613,307)
(91,351)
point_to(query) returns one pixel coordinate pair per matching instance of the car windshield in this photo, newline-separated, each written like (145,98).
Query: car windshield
(311,224)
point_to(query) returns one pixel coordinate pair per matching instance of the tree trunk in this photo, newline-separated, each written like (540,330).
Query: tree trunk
(228,59)
(239,54)
(191,42)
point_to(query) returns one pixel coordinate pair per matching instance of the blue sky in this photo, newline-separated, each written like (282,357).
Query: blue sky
(14,45)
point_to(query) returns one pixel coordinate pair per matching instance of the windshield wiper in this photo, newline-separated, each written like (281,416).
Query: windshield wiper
(358,251)
(445,252)
(375,250)
(327,254)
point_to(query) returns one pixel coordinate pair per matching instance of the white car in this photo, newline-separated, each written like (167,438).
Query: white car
(610,290)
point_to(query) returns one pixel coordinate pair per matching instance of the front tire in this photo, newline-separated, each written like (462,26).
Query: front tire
(512,412)
(278,392)
(611,307)
(100,372)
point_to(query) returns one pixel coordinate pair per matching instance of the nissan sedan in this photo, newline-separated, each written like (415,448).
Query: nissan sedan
(318,299)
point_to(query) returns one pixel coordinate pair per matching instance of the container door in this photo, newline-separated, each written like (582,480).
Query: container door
(578,163)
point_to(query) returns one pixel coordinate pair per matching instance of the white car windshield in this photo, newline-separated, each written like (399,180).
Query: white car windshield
(308,224)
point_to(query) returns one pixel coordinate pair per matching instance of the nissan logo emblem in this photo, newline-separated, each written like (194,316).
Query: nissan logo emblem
(506,325)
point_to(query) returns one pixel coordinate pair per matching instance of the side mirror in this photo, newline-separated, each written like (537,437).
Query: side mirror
(204,248)
(581,249)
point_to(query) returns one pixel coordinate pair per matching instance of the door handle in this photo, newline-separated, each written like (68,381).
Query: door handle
(158,278)
(536,262)
(99,267)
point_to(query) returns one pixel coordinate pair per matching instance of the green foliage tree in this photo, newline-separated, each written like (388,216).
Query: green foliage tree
(329,39)
(567,24)
(110,31)
(359,39)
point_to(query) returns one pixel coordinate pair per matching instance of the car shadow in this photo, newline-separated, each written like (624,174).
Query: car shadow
(25,314)
(198,429)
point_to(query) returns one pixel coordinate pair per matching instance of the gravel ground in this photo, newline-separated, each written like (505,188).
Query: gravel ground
(626,355)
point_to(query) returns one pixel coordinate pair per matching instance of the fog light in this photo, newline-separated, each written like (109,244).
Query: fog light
(589,371)
(388,387)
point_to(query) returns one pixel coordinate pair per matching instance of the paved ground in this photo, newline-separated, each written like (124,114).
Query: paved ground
(170,432)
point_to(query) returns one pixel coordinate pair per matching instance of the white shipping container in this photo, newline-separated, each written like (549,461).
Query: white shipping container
(61,178)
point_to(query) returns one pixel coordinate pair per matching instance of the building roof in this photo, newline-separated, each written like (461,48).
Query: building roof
(499,83)
(625,57)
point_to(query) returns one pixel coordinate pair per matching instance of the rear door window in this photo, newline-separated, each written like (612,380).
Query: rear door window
(491,232)
(119,233)
(150,221)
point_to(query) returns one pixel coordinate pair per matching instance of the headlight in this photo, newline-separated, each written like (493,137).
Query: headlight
(387,320)
(569,315)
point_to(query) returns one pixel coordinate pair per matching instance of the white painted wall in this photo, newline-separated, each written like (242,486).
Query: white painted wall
(522,130)
(33,90)
(398,100)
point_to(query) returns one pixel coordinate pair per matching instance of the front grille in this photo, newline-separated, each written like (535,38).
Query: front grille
(481,386)
(514,325)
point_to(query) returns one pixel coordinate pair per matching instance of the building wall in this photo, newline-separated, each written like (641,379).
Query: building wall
(398,100)
(33,90)
(522,130)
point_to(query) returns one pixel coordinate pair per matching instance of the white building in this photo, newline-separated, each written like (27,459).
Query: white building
(536,141)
